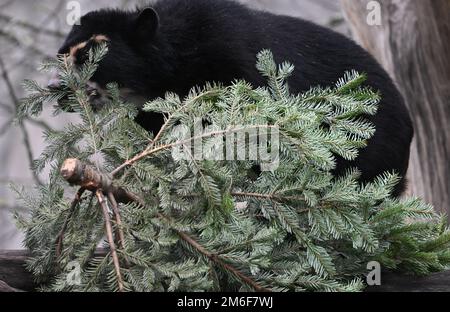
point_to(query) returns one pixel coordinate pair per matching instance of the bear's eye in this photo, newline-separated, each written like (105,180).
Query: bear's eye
(80,51)
(82,54)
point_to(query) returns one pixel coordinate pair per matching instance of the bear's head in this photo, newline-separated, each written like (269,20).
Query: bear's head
(134,60)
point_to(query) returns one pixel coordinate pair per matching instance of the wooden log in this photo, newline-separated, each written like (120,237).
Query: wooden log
(13,272)
(395,282)
(6,288)
(16,278)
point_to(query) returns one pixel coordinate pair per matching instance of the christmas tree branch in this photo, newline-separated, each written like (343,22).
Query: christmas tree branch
(77,173)
(150,151)
(215,258)
(73,206)
(270,196)
(116,211)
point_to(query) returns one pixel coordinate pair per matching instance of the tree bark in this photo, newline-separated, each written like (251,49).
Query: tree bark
(413,45)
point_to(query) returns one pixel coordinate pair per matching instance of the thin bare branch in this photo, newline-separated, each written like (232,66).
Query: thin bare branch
(34,28)
(155,150)
(109,234)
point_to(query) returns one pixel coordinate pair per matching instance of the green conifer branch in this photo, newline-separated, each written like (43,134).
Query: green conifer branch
(199,224)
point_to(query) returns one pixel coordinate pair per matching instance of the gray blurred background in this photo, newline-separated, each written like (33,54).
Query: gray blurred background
(33,30)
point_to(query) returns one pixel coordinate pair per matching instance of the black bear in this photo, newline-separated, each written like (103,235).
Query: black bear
(178,44)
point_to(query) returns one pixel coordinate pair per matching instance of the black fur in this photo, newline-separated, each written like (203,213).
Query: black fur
(195,41)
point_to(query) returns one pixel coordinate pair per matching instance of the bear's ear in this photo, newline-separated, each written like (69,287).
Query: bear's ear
(147,23)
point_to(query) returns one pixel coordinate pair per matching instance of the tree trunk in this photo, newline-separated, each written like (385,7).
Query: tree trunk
(413,45)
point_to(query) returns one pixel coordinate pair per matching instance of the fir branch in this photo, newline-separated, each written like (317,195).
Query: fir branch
(73,206)
(216,259)
(202,225)
(109,234)
(156,149)
(271,196)
(77,173)
(34,28)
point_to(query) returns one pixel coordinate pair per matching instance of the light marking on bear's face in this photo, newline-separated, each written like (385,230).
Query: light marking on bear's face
(96,38)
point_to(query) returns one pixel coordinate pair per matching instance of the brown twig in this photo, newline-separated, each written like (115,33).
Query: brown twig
(109,234)
(16,101)
(60,238)
(150,148)
(153,149)
(74,172)
(271,196)
(216,259)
